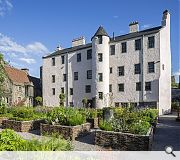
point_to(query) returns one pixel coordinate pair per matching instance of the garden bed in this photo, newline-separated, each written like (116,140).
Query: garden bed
(124,141)
(94,122)
(67,132)
(22,126)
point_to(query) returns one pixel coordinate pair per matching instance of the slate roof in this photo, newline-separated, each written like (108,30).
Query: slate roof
(16,75)
(101,31)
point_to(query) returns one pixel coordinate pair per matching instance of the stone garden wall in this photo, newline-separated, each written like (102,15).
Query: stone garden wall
(94,122)
(22,126)
(66,131)
(1,119)
(124,141)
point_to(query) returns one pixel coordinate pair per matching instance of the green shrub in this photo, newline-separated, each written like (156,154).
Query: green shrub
(107,126)
(3,109)
(91,113)
(141,127)
(10,141)
(66,116)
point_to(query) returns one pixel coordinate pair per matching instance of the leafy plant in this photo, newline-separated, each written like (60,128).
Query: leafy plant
(38,100)
(104,125)
(85,101)
(62,99)
(10,141)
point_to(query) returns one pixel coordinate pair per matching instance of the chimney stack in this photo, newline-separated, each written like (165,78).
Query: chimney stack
(133,27)
(25,70)
(78,41)
(165,17)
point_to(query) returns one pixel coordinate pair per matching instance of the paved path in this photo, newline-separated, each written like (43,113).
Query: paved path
(167,133)
(85,143)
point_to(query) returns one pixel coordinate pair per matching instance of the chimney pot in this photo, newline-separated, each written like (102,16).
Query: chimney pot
(133,27)
(78,41)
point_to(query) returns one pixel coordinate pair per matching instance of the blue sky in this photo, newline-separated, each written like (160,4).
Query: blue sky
(30,29)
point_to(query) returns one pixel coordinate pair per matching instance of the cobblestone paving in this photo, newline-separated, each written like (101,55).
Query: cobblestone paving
(167,133)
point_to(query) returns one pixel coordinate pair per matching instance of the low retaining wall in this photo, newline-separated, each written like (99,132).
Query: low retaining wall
(94,122)
(66,131)
(22,126)
(124,141)
(1,119)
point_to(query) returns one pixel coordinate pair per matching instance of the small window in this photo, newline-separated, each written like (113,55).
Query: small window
(100,39)
(62,59)
(138,86)
(137,68)
(53,61)
(150,67)
(89,74)
(62,90)
(121,87)
(100,95)
(89,54)
(110,70)
(71,104)
(88,88)
(163,67)
(79,57)
(53,78)
(100,57)
(151,42)
(121,71)
(71,91)
(110,88)
(148,86)
(117,104)
(20,88)
(112,49)
(64,77)
(53,91)
(138,44)
(75,76)
(124,47)
(100,77)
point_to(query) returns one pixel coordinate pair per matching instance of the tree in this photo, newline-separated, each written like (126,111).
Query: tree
(84,101)
(2,76)
(62,99)
(38,100)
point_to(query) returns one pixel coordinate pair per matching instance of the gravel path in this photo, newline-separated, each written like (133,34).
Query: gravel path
(85,143)
(167,133)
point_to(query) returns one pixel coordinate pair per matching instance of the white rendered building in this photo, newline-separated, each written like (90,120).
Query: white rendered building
(132,68)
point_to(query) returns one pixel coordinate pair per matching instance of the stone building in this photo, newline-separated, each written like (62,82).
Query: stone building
(18,89)
(113,71)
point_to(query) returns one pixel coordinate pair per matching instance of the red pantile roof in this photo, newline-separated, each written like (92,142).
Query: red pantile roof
(16,75)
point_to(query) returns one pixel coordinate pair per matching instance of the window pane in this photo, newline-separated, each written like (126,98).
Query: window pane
(138,86)
(71,91)
(112,49)
(88,88)
(151,42)
(137,68)
(75,76)
(53,61)
(62,59)
(53,78)
(148,86)
(100,57)
(89,74)
(100,95)
(110,88)
(64,77)
(89,54)
(53,91)
(123,47)
(100,39)
(79,57)
(100,77)
(151,67)
(110,69)
(121,87)
(121,71)
(138,44)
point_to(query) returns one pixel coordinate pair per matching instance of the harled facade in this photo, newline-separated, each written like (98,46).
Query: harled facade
(133,68)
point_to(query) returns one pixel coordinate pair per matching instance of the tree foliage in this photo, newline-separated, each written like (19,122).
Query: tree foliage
(2,75)
(38,100)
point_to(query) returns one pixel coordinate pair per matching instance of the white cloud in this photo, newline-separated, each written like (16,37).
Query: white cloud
(177,73)
(5,6)
(28,60)
(115,17)
(146,26)
(8,45)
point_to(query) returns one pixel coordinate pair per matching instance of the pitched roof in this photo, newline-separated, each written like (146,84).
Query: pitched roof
(100,32)
(117,38)
(16,75)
